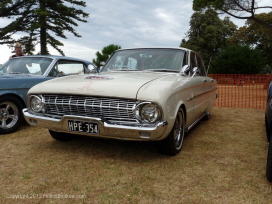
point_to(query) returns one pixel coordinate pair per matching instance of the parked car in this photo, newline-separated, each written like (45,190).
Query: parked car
(19,74)
(150,94)
(268,125)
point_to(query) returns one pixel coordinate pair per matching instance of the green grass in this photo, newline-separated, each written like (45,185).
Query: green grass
(223,160)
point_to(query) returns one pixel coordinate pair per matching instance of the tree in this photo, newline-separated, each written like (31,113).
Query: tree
(39,19)
(207,34)
(238,59)
(103,56)
(255,35)
(241,9)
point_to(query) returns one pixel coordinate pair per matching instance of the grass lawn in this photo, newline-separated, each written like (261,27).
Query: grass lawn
(223,160)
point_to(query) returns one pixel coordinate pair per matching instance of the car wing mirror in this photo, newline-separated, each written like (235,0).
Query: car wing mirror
(185,70)
(196,71)
(61,74)
(91,68)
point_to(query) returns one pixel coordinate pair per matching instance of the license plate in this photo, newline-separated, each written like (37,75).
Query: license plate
(83,126)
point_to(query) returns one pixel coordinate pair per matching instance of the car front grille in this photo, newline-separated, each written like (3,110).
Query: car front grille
(113,110)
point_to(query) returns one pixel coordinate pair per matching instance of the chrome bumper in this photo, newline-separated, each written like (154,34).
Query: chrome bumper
(105,130)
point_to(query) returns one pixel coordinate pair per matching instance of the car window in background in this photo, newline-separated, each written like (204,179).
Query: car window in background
(35,65)
(67,67)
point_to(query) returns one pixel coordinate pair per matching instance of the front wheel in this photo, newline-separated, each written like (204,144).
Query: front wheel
(11,116)
(172,144)
(61,136)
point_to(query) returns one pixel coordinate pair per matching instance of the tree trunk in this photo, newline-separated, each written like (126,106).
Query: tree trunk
(43,29)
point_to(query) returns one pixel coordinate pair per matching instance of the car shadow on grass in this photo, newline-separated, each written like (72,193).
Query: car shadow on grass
(100,147)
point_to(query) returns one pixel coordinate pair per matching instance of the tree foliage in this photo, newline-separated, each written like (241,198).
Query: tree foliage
(238,59)
(207,34)
(241,9)
(103,56)
(256,35)
(39,19)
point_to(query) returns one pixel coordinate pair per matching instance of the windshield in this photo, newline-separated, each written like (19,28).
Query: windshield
(157,59)
(26,65)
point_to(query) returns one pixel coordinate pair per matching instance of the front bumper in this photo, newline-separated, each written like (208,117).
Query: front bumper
(106,130)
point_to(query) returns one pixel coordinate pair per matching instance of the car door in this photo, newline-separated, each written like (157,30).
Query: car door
(201,93)
(198,90)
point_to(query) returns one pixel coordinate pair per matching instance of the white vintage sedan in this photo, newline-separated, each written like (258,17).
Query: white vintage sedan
(154,94)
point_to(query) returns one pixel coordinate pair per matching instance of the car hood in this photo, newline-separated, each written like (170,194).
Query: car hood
(17,81)
(111,84)
(16,76)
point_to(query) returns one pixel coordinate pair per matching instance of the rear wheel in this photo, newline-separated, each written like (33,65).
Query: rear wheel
(11,116)
(61,136)
(173,143)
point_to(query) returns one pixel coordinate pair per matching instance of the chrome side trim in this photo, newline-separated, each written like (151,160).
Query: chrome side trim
(187,129)
(191,98)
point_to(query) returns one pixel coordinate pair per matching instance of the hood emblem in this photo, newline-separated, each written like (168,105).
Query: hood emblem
(99,77)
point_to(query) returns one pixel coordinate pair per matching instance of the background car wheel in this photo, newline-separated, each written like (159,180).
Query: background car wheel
(173,143)
(269,162)
(11,116)
(61,136)
(267,129)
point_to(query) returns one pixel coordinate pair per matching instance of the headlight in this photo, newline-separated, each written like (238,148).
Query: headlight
(36,104)
(148,112)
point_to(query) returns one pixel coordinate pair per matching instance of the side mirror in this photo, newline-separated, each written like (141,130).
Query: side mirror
(92,68)
(185,70)
(195,71)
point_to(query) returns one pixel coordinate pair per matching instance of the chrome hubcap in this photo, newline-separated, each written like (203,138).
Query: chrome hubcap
(8,115)
(179,130)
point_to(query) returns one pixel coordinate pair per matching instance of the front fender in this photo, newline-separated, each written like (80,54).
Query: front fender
(170,92)
(19,94)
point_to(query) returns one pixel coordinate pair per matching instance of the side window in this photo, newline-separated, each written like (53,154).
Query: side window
(185,59)
(67,67)
(193,63)
(200,65)
(193,60)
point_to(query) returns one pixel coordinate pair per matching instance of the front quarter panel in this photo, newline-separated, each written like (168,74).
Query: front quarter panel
(170,93)
(19,86)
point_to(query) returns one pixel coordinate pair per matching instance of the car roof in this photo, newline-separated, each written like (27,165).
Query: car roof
(174,48)
(54,57)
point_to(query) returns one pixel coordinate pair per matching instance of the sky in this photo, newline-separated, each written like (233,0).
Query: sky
(127,23)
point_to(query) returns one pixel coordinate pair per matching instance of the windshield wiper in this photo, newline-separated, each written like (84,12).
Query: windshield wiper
(126,69)
(16,73)
(160,70)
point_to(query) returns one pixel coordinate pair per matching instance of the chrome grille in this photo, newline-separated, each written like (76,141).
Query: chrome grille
(113,110)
